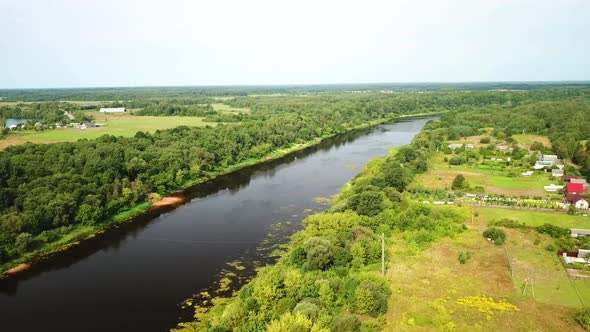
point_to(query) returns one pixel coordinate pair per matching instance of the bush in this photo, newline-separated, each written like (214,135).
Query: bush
(457,160)
(553,231)
(393,195)
(370,298)
(485,140)
(583,318)
(320,253)
(23,243)
(345,323)
(495,234)
(464,257)
(368,203)
(307,309)
(459,182)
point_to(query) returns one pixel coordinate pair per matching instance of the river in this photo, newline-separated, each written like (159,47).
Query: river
(134,278)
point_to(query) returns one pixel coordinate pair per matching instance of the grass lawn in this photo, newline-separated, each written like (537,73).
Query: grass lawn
(489,176)
(426,286)
(535,218)
(115,124)
(529,139)
(229,109)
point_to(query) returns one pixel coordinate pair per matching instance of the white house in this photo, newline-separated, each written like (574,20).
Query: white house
(556,173)
(113,110)
(582,204)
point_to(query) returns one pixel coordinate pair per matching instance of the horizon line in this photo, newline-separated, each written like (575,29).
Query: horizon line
(297,84)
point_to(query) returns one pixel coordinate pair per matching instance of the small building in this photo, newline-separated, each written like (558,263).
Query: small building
(553,187)
(470,146)
(503,146)
(113,110)
(577,200)
(556,173)
(568,178)
(551,158)
(574,188)
(455,146)
(576,232)
(527,173)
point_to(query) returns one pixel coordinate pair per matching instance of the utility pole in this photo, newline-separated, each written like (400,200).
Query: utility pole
(383,254)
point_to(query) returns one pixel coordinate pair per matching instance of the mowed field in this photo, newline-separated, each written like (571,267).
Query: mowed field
(493,180)
(115,124)
(428,287)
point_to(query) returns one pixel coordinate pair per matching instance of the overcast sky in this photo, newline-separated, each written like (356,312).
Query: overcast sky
(73,43)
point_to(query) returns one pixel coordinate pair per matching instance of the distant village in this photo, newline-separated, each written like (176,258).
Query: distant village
(16,124)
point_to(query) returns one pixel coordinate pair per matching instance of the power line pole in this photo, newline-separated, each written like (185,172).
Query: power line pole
(383,254)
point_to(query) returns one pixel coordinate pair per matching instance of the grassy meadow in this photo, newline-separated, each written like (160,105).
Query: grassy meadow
(115,124)
(433,291)
(489,176)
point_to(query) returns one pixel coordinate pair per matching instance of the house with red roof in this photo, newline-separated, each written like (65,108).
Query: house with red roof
(574,188)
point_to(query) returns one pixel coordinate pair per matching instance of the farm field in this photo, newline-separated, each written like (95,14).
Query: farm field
(428,286)
(489,176)
(115,124)
(529,139)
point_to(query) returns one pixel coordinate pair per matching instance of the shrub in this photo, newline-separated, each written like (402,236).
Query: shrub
(485,140)
(320,253)
(370,298)
(368,203)
(583,318)
(495,234)
(307,309)
(23,243)
(392,194)
(459,182)
(553,231)
(457,160)
(464,257)
(345,323)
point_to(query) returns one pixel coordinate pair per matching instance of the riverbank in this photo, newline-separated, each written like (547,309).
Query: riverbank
(79,234)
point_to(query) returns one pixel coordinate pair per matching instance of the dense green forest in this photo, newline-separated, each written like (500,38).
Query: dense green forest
(45,190)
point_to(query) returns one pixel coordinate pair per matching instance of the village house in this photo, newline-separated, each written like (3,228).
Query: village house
(556,173)
(113,110)
(577,200)
(574,188)
(455,146)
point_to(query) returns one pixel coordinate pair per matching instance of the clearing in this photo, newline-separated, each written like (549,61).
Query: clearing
(427,286)
(115,124)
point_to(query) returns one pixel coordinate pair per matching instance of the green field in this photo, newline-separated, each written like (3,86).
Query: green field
(115,124)
(428,284)
(536,218)
(229,109)
(490,176)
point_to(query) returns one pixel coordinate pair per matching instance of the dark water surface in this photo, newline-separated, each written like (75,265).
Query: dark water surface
(135,277)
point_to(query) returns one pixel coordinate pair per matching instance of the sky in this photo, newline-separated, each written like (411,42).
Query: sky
(92,43)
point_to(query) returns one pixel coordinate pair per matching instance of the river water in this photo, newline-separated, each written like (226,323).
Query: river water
(134,278)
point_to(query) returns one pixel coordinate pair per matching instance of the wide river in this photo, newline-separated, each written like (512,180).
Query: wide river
(134,278)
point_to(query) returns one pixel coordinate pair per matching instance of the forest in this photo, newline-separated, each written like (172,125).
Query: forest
(47,189)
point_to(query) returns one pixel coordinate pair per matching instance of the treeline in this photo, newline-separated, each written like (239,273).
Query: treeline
(329,277)
(177,110)
(108,94)
(44,112)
